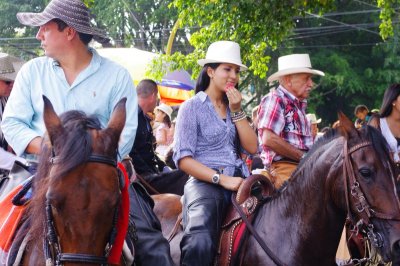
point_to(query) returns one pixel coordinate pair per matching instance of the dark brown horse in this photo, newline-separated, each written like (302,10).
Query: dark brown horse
(76,190)
(347,173)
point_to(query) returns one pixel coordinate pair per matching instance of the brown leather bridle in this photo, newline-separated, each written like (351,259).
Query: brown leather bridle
(364,209)
(51,245)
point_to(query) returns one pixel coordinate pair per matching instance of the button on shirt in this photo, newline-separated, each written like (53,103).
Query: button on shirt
(283,114)
(201,134)
(96,90)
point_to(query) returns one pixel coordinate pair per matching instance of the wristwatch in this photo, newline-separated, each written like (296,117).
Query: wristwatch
(215,178)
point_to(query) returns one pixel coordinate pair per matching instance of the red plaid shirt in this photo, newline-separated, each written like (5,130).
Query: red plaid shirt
(282,113)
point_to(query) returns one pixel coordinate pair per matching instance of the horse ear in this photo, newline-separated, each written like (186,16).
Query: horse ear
(118,117)
(346,127)
(51,120)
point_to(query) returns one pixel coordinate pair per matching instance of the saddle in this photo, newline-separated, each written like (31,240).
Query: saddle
(254,191)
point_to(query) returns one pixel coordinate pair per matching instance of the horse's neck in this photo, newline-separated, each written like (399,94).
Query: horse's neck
(305,212)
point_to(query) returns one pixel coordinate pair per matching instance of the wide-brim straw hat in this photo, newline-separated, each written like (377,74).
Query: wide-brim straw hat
(313,119)
(9,67)
(73,12)
(293,64)
(223,52)
(166,109)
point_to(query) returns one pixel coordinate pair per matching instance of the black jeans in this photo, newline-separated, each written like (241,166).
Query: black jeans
(204,206)
(151,248)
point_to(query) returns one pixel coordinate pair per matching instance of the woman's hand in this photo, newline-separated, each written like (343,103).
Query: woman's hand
(234,98)
(230,182)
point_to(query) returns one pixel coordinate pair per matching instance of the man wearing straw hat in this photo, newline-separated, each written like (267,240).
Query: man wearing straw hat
(314,126)
(9,67)
(284,130)
(74,76)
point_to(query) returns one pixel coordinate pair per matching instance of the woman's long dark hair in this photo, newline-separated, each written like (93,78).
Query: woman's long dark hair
(203,81)
(389,97)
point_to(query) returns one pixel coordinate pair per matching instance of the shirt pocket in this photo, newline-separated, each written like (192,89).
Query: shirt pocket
(212,133)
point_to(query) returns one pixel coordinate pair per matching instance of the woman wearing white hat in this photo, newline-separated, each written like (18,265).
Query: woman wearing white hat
(207,129)
(9,67)
(162,132)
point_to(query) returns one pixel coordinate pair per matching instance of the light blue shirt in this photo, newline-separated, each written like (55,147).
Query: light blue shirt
(96,90)
(201,134)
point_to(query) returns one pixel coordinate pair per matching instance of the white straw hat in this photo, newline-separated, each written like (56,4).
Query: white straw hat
(313,119)
(223,52)
(73,12)
(9,67)
(292,64)
(166,109)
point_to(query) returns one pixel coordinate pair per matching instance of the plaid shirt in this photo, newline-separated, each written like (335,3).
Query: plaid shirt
(282,113)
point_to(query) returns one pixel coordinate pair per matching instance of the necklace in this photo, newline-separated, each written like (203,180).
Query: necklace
(219,106)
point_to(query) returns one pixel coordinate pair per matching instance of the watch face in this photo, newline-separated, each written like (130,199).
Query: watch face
(215,179)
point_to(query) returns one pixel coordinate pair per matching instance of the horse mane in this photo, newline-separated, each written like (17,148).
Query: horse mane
(75,149)
(366,133)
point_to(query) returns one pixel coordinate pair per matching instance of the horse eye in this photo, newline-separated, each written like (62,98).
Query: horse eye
(366,173)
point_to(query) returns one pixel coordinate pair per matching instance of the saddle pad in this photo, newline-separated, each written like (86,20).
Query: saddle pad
(10,216)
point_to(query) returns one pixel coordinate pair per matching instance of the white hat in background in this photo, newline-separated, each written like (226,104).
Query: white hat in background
(293,64)
(166,109)
(223,52)
(9,67)
(313,119)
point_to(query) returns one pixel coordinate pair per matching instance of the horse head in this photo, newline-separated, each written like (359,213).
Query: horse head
(78,185)
(369,185)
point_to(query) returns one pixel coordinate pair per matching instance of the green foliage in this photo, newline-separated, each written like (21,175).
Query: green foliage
(258,26)
(387,14)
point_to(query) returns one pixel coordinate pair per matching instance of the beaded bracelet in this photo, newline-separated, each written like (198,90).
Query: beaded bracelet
(237,116)
(236,113)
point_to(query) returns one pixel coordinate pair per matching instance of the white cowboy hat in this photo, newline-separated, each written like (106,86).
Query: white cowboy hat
(313,119)
(73,12)
(166,109)
(292,64)
(9,67)
(223,52)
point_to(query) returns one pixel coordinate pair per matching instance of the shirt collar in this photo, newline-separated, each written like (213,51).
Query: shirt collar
(291,96)
(95,61)
(202,96)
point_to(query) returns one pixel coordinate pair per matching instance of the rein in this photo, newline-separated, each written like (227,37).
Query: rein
(51,245)
(260,241)
(364,209)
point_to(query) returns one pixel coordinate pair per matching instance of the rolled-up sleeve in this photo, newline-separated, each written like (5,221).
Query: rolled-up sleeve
(271,114)
(185,131)
(18,114)
(127,89)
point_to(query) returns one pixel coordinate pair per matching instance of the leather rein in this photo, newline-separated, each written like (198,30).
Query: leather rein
(363,207)
(51,245)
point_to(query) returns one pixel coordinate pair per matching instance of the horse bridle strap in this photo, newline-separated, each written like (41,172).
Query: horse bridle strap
(52,239)
(92,158)
(82,258)
(363,207)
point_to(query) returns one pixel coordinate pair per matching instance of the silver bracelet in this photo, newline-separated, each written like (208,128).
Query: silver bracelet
(238,116)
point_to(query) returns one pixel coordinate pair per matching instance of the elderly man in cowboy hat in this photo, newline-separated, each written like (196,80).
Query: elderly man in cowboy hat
(284,130)
(9,67)
(74,76)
